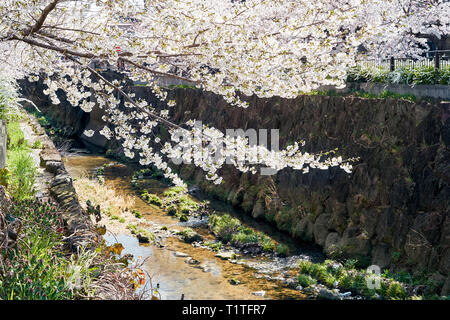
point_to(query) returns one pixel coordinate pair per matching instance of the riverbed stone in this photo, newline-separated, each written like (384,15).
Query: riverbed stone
(191,236)
(261,293)
(181,254)
(191,260)
(142,237)
(290,283)
(328,294)
(226,255)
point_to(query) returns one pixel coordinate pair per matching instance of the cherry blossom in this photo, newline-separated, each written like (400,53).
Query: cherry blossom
(232,48)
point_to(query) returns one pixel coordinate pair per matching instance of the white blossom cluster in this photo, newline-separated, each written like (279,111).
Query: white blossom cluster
(253,47)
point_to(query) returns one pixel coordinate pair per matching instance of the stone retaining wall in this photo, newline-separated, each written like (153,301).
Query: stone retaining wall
(61,189)
(392,210)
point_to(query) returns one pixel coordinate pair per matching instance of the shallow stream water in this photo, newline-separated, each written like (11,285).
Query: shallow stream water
(173,274)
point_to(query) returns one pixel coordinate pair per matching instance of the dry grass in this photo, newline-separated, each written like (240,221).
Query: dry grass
(100,194)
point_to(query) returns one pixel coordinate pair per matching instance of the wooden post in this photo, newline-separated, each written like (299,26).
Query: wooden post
(392,66)
(436,67)
(3,141)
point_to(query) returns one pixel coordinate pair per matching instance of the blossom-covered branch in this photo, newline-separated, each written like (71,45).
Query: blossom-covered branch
(232,48)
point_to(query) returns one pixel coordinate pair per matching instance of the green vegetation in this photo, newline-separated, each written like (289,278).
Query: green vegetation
(306,280)
(147,173)
(224,226)
(142,234)
(151,198)
(174,191)
(8,100)
(402,75)
(182,86)
(385,94)
(20,165)
(37,266)
(214,245)
(23,171)
(35,261)
(172,210)
(37,144)
(137,214)
(347,277)
(186,205)
(230,230)
(283,250)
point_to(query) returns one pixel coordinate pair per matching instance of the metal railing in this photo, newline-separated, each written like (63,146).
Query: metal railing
(438,59)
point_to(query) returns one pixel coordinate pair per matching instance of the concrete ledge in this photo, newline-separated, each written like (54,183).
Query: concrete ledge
(436,91)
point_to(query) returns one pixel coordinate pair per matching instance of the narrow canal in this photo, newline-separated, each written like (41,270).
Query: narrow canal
(170,262)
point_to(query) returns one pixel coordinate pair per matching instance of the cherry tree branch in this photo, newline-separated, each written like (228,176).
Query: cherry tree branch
(40,22)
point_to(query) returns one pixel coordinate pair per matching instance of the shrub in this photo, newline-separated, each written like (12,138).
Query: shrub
(186,204)
(268,245)
(151,198)
(224,226)
(174,191)
(214,246)
(172,210)
(283,250)
(306,280)
(395,291)
(244,237)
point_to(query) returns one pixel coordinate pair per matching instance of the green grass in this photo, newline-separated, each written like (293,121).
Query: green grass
(172,210)
(347,277)
(19,163)
(306,280)
(283,250)
(230,230)
(140,233)
(214,245)
(16,139)
(38,268)
(174,191)
(385,94)
(37,144)
(224,226)
(23,172)
(137,214)
(151,198)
